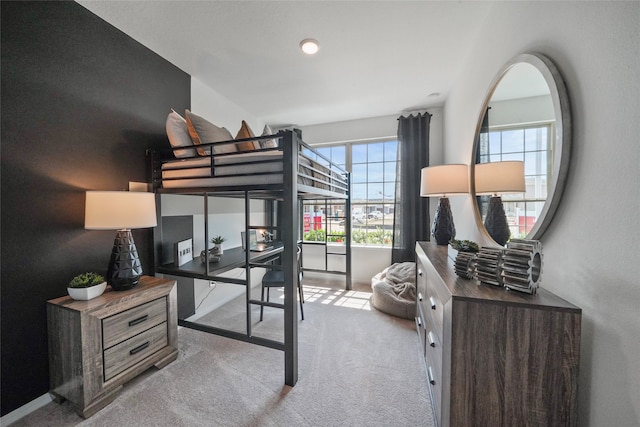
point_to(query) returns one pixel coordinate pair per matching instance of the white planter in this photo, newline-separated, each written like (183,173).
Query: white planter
(85,294)
(219,246)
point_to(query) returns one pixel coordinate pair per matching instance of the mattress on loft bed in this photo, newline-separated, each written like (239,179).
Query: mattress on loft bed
(252,168)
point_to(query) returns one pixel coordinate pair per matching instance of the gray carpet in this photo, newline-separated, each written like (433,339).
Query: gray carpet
(357,367)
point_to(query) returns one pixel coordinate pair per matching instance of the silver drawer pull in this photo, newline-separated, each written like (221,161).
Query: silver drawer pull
(430,375)
(139,320)
(419,321)
(139,348)
(420,272)
(419,296)
(433,303)
(432,341)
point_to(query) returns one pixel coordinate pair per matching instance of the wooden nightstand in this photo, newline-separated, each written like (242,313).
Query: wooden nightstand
(98,345)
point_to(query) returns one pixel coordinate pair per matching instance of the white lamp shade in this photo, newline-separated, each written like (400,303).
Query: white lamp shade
(499,177)
(444,180)
(117,210)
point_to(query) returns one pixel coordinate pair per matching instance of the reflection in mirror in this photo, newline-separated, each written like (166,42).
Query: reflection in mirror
(526,119)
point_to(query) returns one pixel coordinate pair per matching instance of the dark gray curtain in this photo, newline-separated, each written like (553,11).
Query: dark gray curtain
(411,221)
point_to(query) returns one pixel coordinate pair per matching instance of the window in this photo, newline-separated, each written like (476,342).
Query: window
(531,144)
(373,182)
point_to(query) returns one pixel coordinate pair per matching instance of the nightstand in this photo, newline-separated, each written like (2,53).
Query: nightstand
(98,345)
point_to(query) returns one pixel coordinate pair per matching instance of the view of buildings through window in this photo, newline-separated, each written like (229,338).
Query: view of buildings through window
(530,144)
(373,181)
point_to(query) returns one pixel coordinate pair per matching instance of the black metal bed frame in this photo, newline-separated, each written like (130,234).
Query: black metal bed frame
(289,194)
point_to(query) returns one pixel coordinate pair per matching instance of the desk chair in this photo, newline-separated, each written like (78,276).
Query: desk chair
(275,279)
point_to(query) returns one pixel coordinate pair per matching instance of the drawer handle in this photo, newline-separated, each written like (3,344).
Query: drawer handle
(419,272)
(430,375)
(139,320)
(419,321)
(433,303)
(432,341)
(139,348)
(419,296)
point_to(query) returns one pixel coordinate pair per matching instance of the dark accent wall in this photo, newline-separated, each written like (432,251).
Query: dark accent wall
(81,101)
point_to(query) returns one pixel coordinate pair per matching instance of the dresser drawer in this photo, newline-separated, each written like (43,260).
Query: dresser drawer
(122,326)
(435,386)
(433,350)
(128,353)
(434,309)
(420,327)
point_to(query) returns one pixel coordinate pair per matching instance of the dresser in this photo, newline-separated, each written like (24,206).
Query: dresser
(494,357)
(98,345)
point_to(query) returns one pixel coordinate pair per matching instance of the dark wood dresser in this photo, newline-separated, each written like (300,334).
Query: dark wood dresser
(96,346)
(494,357)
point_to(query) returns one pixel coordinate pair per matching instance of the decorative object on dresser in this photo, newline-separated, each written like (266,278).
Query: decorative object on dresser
(86,286)
(488,266)
(522,265)
(96,346)
(465,262)
(494,357)
(122,211)
(441,181)
(498,178)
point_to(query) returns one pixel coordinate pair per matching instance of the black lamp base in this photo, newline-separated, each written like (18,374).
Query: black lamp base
(125,268)
(443,229)
(496,221)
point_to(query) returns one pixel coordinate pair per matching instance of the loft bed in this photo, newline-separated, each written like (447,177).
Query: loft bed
(284,173)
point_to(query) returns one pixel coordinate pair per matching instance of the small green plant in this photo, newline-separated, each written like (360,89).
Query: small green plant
(218,240)
(464,245)
(86,280)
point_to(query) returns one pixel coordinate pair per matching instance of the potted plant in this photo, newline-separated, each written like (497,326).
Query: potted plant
(217,244)
(86,286)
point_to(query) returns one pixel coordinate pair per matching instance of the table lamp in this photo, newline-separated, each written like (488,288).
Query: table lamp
(441,181)
(498,178)
(122,211)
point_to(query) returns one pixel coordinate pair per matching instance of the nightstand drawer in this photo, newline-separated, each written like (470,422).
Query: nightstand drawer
(122,326)
(133,350)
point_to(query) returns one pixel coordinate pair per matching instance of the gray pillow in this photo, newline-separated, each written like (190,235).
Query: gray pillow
(178,135)
(202,132)
(268,143)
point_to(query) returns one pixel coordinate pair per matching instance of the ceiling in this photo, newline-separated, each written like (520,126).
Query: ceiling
(376,58)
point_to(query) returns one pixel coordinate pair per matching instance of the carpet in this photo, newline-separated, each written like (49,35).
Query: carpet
(357,367)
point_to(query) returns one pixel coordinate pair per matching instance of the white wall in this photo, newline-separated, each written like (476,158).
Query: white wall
(591,248)
(221,111)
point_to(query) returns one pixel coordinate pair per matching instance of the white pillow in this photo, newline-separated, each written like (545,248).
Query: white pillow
(178,135)
(202,132)
(268,143)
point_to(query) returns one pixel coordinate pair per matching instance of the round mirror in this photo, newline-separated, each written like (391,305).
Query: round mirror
(525,118)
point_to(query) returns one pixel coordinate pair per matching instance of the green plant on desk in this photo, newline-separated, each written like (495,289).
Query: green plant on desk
(218,240)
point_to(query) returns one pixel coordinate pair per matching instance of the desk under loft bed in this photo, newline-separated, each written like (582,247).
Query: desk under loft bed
(282,176)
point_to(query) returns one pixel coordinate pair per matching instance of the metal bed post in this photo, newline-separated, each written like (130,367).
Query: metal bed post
(289,256)
(247,259)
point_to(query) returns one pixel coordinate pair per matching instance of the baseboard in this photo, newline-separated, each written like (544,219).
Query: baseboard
(25,410)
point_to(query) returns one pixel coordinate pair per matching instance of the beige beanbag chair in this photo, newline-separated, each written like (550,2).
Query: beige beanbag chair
(394,290)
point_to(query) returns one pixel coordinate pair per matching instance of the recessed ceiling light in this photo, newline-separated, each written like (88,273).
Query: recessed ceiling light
(309,46)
